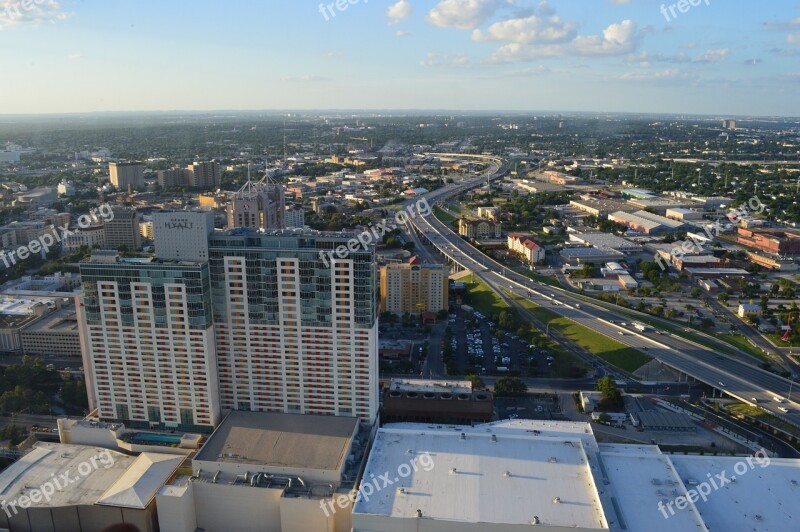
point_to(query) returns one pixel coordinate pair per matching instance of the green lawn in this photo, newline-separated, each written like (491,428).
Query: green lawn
(776,339)
(613,352)
(444,216)
(741,342)
(484,300)
(763,416)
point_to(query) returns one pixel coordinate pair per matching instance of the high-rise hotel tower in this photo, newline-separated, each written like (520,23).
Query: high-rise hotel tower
(147,341)
(296,332)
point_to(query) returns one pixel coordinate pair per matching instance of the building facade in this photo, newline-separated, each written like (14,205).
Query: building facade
(414,288)
(480,229)
(124,175)
(295,216)
(182,235)
(147,341)
(257,206)
(123,230)
(296,329)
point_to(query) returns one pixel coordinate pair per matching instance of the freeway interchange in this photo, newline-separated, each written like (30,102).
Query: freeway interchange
(738,379)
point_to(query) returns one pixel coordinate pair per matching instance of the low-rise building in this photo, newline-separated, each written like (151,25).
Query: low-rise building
(479,229)
(525,247)
(645,222)
(747,309)
(436,402)
(55,334)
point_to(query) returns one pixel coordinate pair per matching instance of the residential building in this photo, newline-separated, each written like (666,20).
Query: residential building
(296,324)
(126,175)
(479,229)
(147,340)
(122,230)
(204,175)
(182,235)
(173,178)
(295,216)
(490,213)
(414,288)
(257,206)
(65,188)
(526,248)
(146,230)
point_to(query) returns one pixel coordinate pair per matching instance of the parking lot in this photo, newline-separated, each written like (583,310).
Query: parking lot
(479,346)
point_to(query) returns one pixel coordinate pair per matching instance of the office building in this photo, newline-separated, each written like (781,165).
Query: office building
(645,222)
(296,323)
(414,288)
(122,230)
(126,175)
(182,235)
(295,216)
(55,333)
(147,341)
(257,206)
(91,236)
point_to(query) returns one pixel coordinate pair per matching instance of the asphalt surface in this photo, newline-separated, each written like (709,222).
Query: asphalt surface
(735,378)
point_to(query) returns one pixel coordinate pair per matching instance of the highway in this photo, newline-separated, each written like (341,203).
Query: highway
(735,378)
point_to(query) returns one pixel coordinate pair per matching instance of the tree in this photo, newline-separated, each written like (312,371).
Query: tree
(477,382)
(510,386)
(611,398)
(695,292)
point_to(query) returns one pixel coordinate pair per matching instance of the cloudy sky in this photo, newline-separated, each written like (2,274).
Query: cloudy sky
(734,57)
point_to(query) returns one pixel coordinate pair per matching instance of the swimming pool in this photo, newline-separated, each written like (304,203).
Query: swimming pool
(164,439)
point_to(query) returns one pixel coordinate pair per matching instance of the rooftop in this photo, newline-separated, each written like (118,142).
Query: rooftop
(281,440)
(502,473)
(112,478)
(422,385)
(63,320)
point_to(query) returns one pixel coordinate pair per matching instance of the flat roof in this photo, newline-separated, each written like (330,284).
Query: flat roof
(423,385)
(63,320)
(493,474)
(281,440)
(605,240)
(641,477)
(116,480)
(763,498)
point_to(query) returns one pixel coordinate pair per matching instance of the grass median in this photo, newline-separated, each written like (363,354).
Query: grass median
(612,351)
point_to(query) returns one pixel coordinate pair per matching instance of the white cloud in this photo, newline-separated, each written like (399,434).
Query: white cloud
(713,56)
(398,12)
(435,59)
(650,75)
(463,14)
(533,30)
(30,12)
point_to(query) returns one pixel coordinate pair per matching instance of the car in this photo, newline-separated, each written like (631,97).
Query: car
(754,399)
(783,409)
(721,384)
(621,333)
(646,348)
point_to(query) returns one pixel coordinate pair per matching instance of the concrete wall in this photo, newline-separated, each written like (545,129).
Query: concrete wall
(87,518)
(225,508)
(375,523)
(176,510)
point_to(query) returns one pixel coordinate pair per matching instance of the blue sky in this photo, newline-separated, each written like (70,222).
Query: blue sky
(735,57)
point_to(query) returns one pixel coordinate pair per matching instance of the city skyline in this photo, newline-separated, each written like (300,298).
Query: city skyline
(737,58)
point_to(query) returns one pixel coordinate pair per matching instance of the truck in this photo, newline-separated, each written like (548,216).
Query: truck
(639,326)
(502,369)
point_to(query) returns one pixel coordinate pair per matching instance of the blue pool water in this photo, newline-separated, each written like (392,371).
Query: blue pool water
(145,438)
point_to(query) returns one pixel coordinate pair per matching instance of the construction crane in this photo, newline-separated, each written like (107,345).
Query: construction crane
(787,335)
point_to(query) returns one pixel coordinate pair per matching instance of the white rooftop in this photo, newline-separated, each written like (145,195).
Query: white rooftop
(97,476)
(503,473)
(763,498)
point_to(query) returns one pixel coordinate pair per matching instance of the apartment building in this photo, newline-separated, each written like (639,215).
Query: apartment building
(147,342)
(296,327)
(295,216)
(525,247)
(125,175)
(414,288)
(480,229)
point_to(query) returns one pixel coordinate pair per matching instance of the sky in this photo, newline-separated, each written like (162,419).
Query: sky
(719,57)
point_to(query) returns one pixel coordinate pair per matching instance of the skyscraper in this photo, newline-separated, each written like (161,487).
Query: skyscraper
(147,340)
(414,288)
(123,230)
(182,235)
(258,206)
(294,335)
(204,175)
